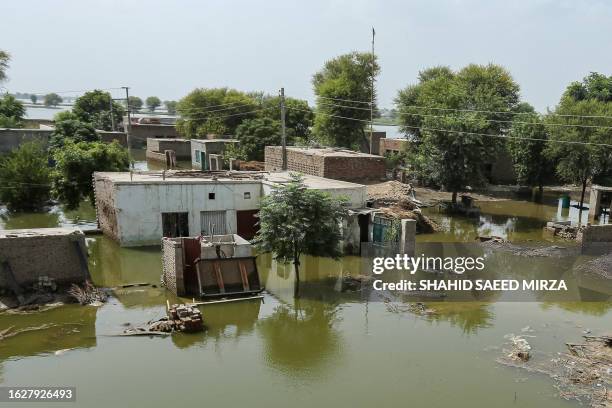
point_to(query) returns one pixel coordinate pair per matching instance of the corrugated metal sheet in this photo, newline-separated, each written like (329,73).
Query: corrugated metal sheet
(213,222)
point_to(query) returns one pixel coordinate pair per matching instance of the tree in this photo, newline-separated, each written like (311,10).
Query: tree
(52,99)
(93,107)
(446,115)
(33,98)
(577,162)
(347,77)
(12,112)
(295,221)
(171,107)
(298,115)
(5,57)
(214,111)
(527,148)
(25,178)
(135,103)
(255,134)
(69,127)
(76,163)
(153,102)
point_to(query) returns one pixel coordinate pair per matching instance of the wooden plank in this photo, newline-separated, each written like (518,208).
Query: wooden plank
(226,300)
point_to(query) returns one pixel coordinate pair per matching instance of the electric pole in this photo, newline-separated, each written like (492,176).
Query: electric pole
(284,136)
(128,128)
(112,117)
(372,94)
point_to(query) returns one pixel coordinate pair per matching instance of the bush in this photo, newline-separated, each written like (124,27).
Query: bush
(255,134)
(25,178)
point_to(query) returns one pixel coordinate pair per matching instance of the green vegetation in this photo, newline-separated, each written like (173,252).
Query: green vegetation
(450,150)
(346,77)
(527,146)
(76,163)
(33,98)
(69,128)
(94,108)
(5,57)
(52,99)
(25,178)
(153,102)
(135,103)
(297,221)
(11,112)
(581,163)
(298,115)
(255,134)
(171,107)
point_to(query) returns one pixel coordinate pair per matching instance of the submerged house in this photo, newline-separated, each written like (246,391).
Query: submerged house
(141,208)
(207,154)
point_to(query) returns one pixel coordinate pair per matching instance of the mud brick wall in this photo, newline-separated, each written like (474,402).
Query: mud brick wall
(349,168)
(392,144)
(61,257)
(296,161)
(105,207)
(172,263)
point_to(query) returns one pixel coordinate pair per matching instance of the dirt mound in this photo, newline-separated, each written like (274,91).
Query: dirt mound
(389,191)
(601,266)
(252,165)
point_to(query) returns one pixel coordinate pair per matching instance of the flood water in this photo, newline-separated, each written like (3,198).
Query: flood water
(327,347)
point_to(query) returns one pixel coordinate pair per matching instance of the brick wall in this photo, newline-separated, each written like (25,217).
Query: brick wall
(105,207)
(172,263)
(387,145)
(296,161)
(57,253)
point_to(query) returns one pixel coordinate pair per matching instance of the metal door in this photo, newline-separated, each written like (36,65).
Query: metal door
(213,222)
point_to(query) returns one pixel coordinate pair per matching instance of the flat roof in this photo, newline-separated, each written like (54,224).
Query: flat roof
(203,177)
(329,152)
(38,232)
(215,140)
(169,139)
(601,188)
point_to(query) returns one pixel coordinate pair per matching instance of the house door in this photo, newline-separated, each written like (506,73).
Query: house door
(247,221)
(213,222)
(364,224)
(175,224)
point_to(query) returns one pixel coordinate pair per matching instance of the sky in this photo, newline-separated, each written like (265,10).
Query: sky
(167,48)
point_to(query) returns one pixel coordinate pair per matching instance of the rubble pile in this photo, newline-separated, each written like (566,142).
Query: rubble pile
(601,266)
(562,230)
(88,294)
(402,210)
(183,318)
(390,192)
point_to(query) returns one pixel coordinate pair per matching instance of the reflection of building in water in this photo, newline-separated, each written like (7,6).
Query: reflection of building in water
(60,328)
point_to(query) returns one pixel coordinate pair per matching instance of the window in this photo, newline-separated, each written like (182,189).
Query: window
(198,158)
(211,196)
(175,224)
(247,195)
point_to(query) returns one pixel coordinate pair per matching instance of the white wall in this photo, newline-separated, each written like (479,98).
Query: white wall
(140,206)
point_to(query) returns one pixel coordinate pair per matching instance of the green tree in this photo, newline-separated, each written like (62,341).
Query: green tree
(69,127)
(5,58)
(295,221)
(349,78)
(527,147)
(153,102)
(76,163)
(171,107)
(33,98)
(94,107)
(25,178)
(446,114)
(12,112)
(135,103)
(216,111)
(298,115)
(52,99)
(576,162)
(255,134)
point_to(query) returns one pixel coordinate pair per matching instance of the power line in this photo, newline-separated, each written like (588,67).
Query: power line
(469,133)
(488,120)
(477,110)
(66,92)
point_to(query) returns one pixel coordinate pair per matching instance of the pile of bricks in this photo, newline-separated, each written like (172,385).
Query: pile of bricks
(186,318)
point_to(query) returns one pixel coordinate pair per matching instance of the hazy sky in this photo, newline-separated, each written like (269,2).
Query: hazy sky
(166,48)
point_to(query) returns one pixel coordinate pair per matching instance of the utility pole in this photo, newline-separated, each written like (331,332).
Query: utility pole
(284,136)
(112,117)
(128,128)
(372,94)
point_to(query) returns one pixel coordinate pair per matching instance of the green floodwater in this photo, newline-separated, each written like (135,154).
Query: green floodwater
(326,348)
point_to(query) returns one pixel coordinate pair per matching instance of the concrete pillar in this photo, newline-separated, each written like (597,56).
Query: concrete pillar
(594,203)
(408,237)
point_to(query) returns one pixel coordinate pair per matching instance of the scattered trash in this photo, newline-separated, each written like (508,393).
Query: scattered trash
(88,294)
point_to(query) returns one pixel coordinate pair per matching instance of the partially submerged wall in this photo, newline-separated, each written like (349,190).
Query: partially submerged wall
(597,239)
(156,148)
(11,139)
(58,253)
(106,209)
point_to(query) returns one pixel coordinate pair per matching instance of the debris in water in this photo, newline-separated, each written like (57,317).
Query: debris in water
(183,318)
(88,294)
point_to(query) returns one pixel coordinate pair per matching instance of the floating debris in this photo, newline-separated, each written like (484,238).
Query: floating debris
(181,318)
(88,294)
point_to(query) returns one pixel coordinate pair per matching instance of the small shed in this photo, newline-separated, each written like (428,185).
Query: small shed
(206,153)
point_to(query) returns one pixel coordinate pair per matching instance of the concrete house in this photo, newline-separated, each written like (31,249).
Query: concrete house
(207,154)
(141,208)
(156,148)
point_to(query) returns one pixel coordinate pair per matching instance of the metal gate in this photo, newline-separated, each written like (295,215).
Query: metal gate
(213,222)
(379,228)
